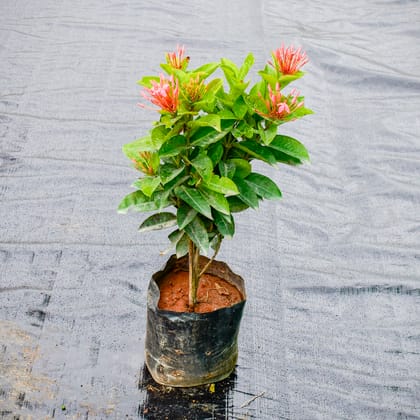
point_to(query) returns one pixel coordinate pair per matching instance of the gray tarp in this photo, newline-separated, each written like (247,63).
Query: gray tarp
(331,329)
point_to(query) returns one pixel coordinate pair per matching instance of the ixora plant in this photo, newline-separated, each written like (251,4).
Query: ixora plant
(197,159)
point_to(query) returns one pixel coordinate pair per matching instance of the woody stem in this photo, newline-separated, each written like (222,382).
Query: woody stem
(193,275)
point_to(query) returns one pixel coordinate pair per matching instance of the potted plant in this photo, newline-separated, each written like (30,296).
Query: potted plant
(196,172)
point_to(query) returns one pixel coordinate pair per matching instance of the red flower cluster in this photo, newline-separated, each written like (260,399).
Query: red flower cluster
(144,163)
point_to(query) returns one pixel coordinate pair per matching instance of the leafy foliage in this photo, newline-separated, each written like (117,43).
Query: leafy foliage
(198,156)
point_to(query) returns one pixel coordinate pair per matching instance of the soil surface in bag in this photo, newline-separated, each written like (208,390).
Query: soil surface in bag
(213,293)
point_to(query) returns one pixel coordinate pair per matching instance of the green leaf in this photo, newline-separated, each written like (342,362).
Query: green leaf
(136,201)
(225,224)
(203,165)
(182,246)
(147,185)
(230,70)
(225,62)
(301,112)
(217,201)
(267,133)
(212,88)
(195,199)
(232,75)
(285,79)
(175,236)
(270,75)
(221,185)
(290,146)
(146,81)
(242,167)
(215,153)
(167,68)
(227,124)
(207,102)
(181,75)
(248,63)
(205,136)
(263,186)
(256,150)
(173,147)
(197,231)
(173,124)
(176,181)
(168,172)
(185,214)
(286,159)
(158,221)
(226,114)
(240,108)
(247,194)
(244,130)
(144,144)
(161,199)
(167,196)
(258,88)
(271,79)
(178,238)
(209,120)
(227,169)
(236,205)
(207,69)
(216,241)
(159,136)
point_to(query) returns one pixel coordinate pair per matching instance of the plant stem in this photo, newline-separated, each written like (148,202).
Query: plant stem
(193,275)
(227,145)
(211,260)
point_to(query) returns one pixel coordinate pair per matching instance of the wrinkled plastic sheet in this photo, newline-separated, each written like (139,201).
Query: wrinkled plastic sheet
(331,327)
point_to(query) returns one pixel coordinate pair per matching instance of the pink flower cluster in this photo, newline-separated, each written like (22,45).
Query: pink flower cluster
(278,105)
(164,94)
(194,89)
(288,60)
(177,59)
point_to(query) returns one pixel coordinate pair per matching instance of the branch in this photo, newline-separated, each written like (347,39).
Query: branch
(212,259)
(252,399)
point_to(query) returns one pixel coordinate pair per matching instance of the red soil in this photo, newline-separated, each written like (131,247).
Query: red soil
(213,293)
